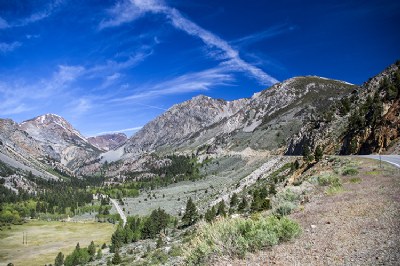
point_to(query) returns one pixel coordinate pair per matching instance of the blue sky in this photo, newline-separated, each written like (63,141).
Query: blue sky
(114,65)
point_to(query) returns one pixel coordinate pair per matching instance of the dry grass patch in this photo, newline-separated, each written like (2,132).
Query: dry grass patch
(46,239)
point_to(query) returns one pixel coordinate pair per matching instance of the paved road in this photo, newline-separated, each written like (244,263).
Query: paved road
(119,210)
(393,159)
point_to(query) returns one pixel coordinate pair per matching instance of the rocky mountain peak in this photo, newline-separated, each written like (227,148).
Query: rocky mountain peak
(50,125)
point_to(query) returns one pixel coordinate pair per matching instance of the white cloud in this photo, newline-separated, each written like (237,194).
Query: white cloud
(132,129)
(40,15)
(227,52)
(269,33)
(197,81)
(9,47)
(37,16)
(111,66)
(81,106)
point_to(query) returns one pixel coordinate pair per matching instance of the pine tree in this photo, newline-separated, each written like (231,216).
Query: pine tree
(234,200)
(243,204)
(306,154)
(191,215)
(318,153)
(59,259)
(92,249)
(272,189)
(117,258)
(221,209)
(160,242)
(99,254)
(210,214)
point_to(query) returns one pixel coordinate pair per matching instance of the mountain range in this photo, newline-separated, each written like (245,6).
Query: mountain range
(309,111)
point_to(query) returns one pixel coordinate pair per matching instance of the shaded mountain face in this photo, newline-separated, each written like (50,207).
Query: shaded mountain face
(108,141)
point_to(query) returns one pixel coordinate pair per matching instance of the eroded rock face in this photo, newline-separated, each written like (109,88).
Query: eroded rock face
(180,123)
(362,130)
(108,141)
(203,120)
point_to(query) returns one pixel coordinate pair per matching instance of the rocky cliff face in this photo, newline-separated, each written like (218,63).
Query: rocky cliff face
(180,123)
(363,122)
(108,141)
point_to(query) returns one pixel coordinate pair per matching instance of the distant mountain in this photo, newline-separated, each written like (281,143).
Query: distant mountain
(48,141)
(262,122)
(108,141)
(303,111)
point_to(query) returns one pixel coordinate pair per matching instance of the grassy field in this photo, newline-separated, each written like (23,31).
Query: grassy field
(46,239)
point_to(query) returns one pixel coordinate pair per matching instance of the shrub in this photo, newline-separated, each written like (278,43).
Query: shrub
(175,251)
(327,180)
(289,195)
(350,171)
(355,180)
(235,237)
(285,208)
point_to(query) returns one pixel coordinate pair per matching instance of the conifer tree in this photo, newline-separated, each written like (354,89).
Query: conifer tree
(234,200)
(318,153)
(117,258)
(92,249)
(59,259)
(243,204)
(191,215)
(221,209)
(210,214)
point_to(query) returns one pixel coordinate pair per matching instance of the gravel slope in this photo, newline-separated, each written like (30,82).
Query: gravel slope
(359,226)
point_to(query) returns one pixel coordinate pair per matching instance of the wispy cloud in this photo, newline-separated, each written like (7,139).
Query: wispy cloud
(112,66)
(132,129)
(17,95)
(228,54)
(269,33)
(197,81)
(45,12)
(80,106)
(9,47)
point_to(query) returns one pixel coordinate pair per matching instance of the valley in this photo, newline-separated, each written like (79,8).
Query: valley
(208,181)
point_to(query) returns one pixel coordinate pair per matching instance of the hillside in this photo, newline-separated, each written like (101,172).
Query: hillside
(204,171)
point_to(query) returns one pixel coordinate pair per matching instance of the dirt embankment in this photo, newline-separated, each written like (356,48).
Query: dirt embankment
(358,226)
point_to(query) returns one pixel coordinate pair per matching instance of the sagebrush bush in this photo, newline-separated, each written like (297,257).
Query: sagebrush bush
(234,237)
(350,171)
(284,208)
(289,195)
(328,180)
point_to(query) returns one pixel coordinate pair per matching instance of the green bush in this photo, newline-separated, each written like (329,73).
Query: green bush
(328,180)
(285,208)
(350,171)
(235,237)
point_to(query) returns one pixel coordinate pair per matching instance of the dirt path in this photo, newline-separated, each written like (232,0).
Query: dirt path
(360,226)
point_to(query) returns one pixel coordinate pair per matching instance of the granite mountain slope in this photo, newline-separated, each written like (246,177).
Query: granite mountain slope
(283,119)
